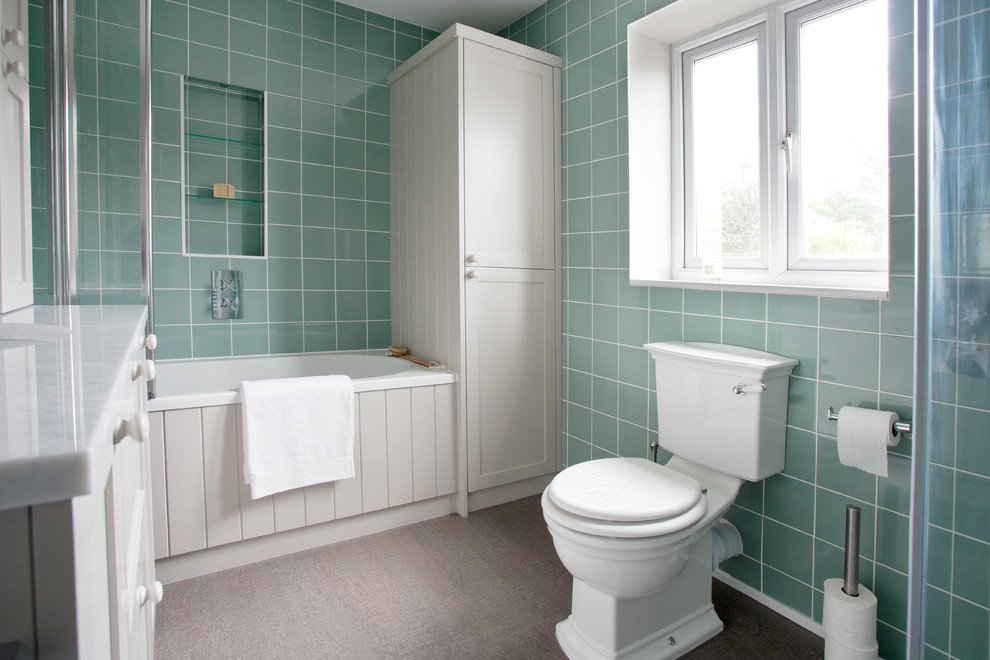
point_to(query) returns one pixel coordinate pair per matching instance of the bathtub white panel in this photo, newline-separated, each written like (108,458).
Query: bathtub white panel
(257,516)
(290,510)
(347,492)
(159,522)
(184,470)
(374,452)
(446,466)
(398,443)
(424,443)
(223,507)
(319,503)
(404,452)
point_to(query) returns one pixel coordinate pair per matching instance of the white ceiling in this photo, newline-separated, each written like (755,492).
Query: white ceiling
(488,15)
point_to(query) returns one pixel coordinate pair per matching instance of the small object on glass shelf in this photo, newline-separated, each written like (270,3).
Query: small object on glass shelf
(223,190)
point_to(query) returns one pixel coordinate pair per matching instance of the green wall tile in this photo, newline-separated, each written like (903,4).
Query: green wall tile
(788,551)
(211,341)
(791,502)
(787,590)
(849,358)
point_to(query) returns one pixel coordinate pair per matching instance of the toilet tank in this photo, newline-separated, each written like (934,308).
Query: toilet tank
(714,410)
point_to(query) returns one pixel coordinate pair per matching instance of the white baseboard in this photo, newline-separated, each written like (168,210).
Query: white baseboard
(778,607)
(240,553)
(482,499)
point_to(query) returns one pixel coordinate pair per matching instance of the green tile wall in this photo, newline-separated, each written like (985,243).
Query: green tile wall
(851,351)
(958,566)
(108,146)
(107,62)
(325,284)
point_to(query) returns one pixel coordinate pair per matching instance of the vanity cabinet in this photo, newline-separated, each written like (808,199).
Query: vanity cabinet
(16,278)
(475,239)
(76,553)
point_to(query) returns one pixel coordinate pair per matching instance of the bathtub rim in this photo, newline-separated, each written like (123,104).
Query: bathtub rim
(414,376)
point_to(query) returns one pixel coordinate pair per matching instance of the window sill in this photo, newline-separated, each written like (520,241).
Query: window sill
(866,286)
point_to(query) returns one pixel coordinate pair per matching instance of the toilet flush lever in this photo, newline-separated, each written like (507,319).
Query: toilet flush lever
(755,388)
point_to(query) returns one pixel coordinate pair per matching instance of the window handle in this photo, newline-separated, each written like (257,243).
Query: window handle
(786,145)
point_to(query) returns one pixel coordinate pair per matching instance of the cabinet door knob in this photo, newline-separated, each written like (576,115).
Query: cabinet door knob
(137,426)
(17,68)
(151,342)
(15,37)
(151,594)
(471,259)
(472,274)
(144,368)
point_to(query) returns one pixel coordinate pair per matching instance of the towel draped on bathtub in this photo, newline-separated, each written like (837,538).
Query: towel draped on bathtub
(297,432)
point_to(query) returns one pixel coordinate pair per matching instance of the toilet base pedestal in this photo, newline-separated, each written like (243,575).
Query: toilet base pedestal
(664,624)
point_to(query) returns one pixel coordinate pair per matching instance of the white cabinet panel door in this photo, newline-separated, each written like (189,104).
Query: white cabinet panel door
(17,279)
(511,376)
(509,155)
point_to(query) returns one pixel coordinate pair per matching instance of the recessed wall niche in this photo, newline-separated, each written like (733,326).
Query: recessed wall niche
(223,169)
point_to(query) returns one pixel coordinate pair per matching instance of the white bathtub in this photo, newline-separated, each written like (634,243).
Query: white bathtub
(204,517)
(216,382)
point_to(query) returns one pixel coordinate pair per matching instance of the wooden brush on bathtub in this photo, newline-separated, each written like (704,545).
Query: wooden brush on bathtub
(396,350)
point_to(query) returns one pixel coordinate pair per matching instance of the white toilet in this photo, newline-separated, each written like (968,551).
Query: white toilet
(637,536)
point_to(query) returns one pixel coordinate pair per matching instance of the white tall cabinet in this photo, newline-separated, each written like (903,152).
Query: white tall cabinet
(16,280)
(475,240)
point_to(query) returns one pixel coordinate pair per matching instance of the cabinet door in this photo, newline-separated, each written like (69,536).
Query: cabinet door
(13,29)
(16,280)
(130,546)
(509,159)
(511,376)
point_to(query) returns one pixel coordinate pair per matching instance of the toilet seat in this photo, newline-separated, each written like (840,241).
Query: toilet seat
(624,498)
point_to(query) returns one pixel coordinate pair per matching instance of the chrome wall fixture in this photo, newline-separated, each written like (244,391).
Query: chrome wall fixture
(900,426)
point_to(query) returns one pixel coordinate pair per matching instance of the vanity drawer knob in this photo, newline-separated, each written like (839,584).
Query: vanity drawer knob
(151,342)
(145,368)
(14,36)
(152,594)
(17,68)
(137,426)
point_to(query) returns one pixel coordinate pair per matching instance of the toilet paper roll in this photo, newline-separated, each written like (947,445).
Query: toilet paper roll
(850,621)
(864,436)
(836,651)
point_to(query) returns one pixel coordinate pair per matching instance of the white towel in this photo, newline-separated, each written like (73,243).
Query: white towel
(297,432)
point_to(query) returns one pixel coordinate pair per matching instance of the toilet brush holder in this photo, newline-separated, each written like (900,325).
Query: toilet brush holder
(849,616)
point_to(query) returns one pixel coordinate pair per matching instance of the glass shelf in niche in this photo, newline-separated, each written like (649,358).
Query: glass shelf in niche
(247,143)
(226,199)
(224,136)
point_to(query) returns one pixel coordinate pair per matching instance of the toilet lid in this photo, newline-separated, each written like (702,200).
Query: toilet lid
(624,490)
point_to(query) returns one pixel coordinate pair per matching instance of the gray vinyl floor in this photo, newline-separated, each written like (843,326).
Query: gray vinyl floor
(488,586)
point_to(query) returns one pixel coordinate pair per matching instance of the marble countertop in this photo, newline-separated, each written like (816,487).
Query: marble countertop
(65,379)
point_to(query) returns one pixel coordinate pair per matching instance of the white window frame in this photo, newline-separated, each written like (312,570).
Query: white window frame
(793,19)
(685,233)
(656,44)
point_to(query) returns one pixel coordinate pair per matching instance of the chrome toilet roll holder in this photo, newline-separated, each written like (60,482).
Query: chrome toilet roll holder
(900,426)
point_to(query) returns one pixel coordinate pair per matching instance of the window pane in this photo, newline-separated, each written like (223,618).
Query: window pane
(843,125)
(725,176)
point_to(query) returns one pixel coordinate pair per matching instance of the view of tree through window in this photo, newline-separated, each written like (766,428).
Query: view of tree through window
(843,133)
(725,147)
